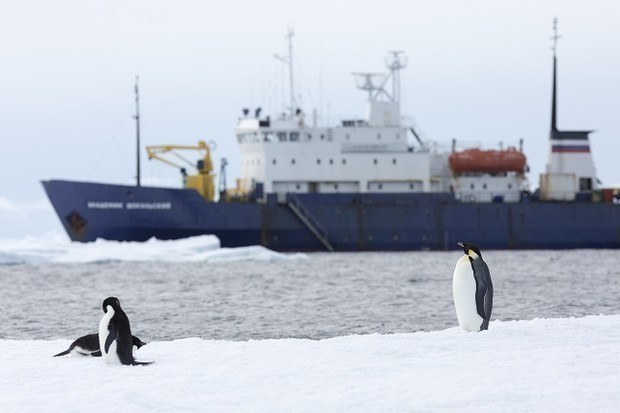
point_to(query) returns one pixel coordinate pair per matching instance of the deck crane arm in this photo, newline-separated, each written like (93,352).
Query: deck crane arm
(203,178)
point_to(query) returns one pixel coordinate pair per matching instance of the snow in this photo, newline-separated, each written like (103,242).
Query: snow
(545,365)
(56,248)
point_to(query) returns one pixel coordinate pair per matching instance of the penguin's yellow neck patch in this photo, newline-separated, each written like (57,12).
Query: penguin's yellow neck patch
(472,254)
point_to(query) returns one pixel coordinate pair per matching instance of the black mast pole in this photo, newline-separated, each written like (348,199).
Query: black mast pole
(137,118)
(553,96)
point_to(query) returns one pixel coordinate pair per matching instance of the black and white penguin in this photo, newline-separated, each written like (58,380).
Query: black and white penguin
(115,339)
(472,289)
(88,345)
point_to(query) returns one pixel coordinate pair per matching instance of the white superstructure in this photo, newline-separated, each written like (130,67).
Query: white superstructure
(290,154)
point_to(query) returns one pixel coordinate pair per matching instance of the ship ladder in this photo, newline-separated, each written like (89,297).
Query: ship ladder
(309,220)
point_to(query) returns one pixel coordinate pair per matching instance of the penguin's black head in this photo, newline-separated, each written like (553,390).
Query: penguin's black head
(137,342)
(468,246)
(112,302)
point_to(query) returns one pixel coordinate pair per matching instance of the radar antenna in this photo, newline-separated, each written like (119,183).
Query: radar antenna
(376,89)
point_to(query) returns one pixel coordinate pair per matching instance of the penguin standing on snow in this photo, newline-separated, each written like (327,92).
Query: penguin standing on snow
(472,289)
(89,346)
(115,339)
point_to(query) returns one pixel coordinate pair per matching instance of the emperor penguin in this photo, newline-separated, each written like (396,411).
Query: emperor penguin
(472,289)
(88,345)
(115,339)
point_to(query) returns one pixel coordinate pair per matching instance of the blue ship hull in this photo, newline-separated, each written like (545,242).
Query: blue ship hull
(349,222)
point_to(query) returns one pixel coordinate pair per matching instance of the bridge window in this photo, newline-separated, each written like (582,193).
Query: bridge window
(282,136)
(294,137)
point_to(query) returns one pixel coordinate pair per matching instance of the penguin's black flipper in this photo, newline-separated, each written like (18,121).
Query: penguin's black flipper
(484,291)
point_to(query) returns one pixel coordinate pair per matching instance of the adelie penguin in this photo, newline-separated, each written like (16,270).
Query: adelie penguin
(115,339)
(88,345)
(472,289)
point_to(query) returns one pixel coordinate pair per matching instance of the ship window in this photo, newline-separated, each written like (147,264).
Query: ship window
(375,161)
(293,161)
(509,186)
(380,186)
(318,161)
(484,186)
(282,136)
(309,136)
(335,186)
(297,186)
(585,184)
(331,161)
(411,186)
(472,186)
(294,137)
(273,161)
(322,136)
(394,161)
(344,161)
(378,136)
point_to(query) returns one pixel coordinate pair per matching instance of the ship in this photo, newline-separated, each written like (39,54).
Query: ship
(366,184)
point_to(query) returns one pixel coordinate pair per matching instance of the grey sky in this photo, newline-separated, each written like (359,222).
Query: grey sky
(479,71)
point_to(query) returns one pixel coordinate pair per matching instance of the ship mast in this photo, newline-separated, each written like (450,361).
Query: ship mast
(555,38)
(288,60)
(137,118)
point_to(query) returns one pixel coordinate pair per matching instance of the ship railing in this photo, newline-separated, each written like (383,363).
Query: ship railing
(309,220)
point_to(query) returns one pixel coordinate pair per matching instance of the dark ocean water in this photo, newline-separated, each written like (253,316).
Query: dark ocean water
(322,296)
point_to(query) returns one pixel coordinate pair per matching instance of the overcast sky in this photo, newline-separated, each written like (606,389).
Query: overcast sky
(478,71)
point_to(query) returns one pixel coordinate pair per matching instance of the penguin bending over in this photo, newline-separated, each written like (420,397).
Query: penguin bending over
(88,345)
(115,339)
(472,289)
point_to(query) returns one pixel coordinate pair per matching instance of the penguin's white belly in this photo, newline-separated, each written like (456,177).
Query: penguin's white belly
(110,356)
(464,293)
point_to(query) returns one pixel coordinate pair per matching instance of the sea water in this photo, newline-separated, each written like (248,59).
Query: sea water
(199,290)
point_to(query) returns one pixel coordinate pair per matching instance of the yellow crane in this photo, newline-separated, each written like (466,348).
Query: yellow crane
(203,179)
